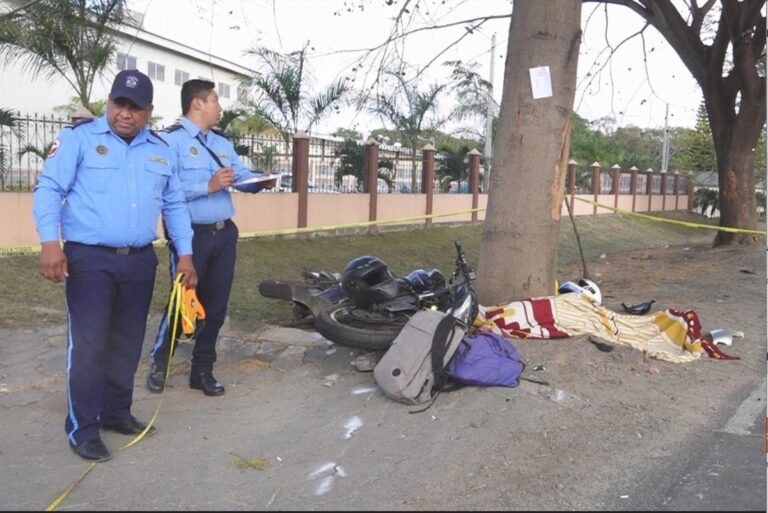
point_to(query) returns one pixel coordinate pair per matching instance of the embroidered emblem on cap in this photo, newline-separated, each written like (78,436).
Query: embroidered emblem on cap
(193,150)
(101,149)
(131,81)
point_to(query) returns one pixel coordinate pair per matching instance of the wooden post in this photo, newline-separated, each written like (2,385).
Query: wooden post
(690,184)
(428,179)
(649,185)
(300,171)
(595,184)
(372,175)
(615,179)
(663,190)
(677,190)
(474,180)
(570,181)
(633,185)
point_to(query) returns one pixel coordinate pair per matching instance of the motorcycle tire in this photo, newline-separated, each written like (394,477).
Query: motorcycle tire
(359,328)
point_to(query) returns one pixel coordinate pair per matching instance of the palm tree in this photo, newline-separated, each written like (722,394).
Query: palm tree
(8,127)
(279,94)
(411,113)
(351,162)
(237,124)
(68,38)
(453,167)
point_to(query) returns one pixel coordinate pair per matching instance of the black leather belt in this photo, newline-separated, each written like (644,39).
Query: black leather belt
(212,227)
(128,250)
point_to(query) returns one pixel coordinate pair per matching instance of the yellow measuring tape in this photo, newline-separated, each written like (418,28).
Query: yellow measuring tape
(182,304)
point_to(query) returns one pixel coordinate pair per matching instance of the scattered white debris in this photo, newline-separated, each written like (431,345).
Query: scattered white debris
(278,458)
(363,389)
(353,424)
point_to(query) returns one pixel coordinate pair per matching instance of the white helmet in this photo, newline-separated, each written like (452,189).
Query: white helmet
(591,289)
(585,286)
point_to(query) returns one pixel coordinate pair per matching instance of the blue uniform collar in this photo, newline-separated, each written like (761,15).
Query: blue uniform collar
(100,125)
(192,129)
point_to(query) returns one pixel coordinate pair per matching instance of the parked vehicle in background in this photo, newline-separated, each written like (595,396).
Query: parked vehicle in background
(285,182)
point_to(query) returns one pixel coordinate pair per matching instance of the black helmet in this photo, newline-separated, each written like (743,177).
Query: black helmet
(367,280)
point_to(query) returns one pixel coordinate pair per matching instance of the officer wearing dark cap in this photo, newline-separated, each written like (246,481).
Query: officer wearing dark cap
(103,187)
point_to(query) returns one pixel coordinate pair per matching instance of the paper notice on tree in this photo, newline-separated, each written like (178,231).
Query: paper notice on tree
(256,179)
(541,83)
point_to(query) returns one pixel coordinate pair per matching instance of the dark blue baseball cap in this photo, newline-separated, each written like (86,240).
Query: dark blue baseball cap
(132,85)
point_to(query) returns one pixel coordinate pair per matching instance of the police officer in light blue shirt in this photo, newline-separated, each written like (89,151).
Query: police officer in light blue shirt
(102,189)
(208,167)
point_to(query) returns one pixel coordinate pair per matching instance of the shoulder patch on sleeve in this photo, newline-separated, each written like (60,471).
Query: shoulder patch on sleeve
(54,147)
(157,136)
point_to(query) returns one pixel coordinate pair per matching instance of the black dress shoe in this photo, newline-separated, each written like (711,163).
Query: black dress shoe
(207,383)
(129,427)
(156,379)
(92,450)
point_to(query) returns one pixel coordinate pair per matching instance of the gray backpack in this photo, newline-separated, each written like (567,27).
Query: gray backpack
(412,371)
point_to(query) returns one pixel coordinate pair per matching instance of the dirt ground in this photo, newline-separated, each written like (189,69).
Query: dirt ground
(301,429)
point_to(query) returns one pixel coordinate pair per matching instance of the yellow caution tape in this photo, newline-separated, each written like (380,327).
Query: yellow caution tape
(673,221)
(329,227)
(175,305)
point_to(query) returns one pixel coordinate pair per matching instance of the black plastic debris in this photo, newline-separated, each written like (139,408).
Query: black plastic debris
(640,308)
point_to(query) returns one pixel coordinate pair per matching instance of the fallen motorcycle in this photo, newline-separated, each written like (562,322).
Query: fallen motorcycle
(367,306)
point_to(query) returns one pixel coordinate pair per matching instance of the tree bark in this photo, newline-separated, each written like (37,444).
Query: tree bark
(735,95)
(518,250)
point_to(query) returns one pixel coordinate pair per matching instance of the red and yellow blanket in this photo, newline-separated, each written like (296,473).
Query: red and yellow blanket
(670,335)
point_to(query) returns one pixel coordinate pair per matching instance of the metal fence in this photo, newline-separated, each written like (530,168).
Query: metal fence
(23,150)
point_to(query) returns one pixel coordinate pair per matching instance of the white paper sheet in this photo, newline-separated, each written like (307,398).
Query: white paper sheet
(541,82)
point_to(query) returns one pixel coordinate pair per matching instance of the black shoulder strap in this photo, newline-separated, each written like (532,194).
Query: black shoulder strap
(210,151)
(440,341)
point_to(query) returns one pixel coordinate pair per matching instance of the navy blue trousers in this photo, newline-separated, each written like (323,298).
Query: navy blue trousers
(108,298)
(214,254)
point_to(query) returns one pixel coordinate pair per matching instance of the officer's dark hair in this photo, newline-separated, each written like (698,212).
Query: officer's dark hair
(195,88)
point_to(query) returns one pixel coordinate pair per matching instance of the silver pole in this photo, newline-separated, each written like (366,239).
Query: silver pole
(488,147)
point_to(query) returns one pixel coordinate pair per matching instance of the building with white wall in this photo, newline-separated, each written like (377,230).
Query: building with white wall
(167,63)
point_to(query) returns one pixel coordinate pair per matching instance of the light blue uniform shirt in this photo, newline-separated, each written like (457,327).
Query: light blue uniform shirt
(102,191)
(197,166)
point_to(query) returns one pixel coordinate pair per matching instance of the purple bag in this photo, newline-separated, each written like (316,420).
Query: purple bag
(486,359)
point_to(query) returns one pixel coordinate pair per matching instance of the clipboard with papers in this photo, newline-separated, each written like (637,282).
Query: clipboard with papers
(256,179)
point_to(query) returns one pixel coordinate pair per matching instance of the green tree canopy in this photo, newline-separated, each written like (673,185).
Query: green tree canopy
(67,38)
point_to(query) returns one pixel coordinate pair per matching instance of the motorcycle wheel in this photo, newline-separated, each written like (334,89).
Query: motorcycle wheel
(360,328)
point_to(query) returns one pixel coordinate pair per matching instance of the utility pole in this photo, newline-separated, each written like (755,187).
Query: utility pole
(665,144)
(488,148)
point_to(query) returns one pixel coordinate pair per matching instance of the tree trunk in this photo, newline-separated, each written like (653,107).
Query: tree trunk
(735,148)
(518,250)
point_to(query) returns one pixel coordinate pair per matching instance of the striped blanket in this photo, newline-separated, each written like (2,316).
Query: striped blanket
(670,335)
